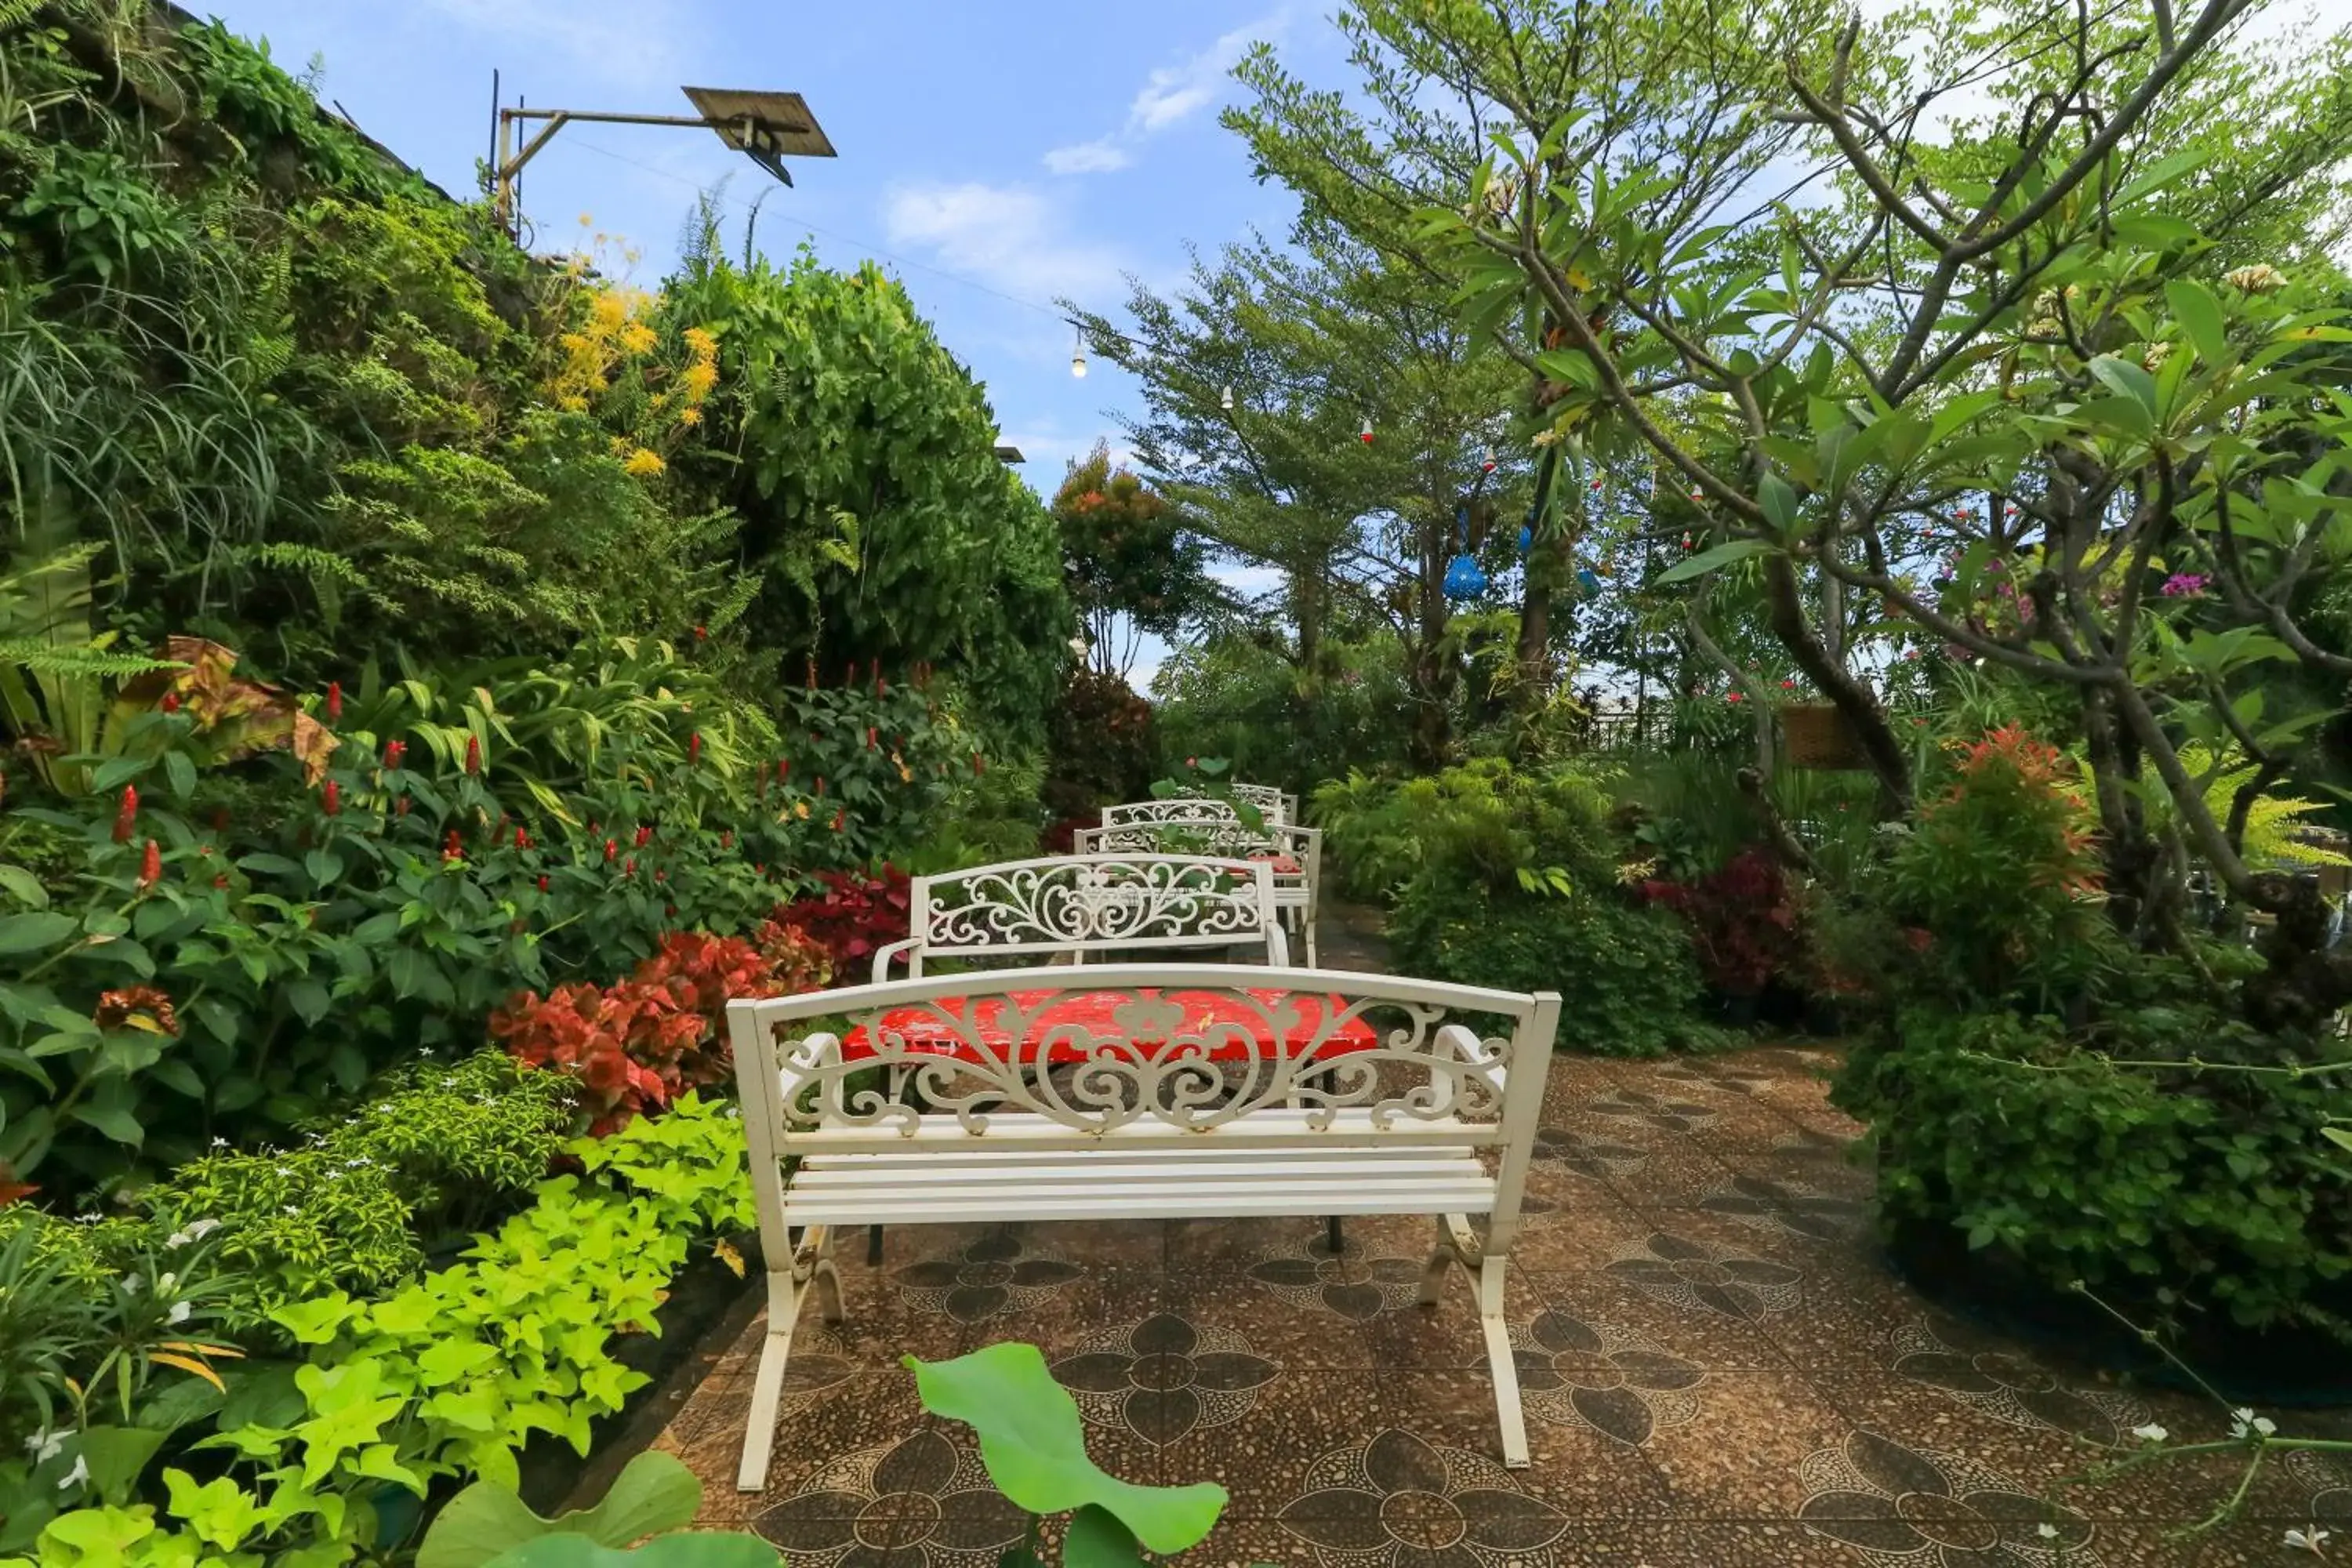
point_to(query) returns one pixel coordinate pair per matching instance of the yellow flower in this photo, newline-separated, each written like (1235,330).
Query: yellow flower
(698,379)
(800,809)
(645,463)
(637,338)
(689,416)
(610,312)
(701,342)
(575,404)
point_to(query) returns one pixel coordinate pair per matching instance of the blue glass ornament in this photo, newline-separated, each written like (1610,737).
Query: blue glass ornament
(1464,580)
(1527,537)
(1587,581)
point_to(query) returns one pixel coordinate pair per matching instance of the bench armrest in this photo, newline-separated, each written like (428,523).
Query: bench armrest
(883,955)
(1459,1041)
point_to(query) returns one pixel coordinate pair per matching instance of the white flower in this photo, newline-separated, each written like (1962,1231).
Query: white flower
(133,1283)
(2309,1540)
(203,1227)
(2260,279)
(2245,1422)
(2047,1531)
(220,1142)
(46,1445)
(2152,1433)
(74,1477)
(289,1208)
(284,1170)
(167,1284)
(178,1314)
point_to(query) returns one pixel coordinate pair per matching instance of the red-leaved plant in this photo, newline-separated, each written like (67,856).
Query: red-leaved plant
(1744,921)
(855,915)
(638,1045)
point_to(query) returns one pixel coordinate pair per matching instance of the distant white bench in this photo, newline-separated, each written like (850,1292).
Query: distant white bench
(1067,904)
(1264,799)
(1297,852)
(1373,1097)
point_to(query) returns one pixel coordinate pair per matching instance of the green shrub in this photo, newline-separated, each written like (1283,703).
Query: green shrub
(1626,976)
(2176,1190)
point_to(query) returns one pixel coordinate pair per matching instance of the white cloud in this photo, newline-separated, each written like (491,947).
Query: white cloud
(1177,92)
(631,41)
(1169,96)
(1010,236)
(1097,157)
(1249,580)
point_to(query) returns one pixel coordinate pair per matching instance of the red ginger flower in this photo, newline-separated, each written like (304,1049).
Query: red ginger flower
(523,840)
(612,848)
(629,867)
(126,815)
(332,798)
(473,753)
(645,833)
(150,864)
(694,748)
(452,849)
(840,816)
(171,704)
(393,753)
(334,701)
(542,884)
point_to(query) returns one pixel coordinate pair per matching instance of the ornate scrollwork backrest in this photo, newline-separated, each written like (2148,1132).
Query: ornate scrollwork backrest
(1135,811)
(1223,836)
(1265,798)
(1106,900)
(1189,1054)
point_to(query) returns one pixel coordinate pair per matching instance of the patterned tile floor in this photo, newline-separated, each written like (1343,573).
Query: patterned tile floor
(1718,1371)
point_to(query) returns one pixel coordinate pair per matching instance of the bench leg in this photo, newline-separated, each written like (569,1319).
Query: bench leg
(810,1267)
(1502,1364)
(1312,961)
(1442,1257)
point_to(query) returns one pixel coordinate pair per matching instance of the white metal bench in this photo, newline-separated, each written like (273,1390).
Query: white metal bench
(1222,835)
(1264,799)
(1166,1118)
(1071,902)
(1276,805)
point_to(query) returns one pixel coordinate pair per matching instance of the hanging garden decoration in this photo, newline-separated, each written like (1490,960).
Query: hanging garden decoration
(1464,580)
(1586,580)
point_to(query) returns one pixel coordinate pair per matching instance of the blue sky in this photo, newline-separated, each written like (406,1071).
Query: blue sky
(1037,150)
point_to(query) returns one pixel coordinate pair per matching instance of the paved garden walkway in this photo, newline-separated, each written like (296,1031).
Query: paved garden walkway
(1718,1371)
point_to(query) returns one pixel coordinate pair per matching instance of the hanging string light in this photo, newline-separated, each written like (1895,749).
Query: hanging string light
(1225,400)
(1078,355)
(1486,462)
(1366,434)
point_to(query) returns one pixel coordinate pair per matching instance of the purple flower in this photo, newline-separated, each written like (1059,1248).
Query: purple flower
(2185,584)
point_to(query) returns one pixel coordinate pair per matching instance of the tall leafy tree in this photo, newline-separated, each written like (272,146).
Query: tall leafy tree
(1132,564)
(1259,379)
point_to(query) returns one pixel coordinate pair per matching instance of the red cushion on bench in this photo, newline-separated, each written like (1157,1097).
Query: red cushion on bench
(1237,1031)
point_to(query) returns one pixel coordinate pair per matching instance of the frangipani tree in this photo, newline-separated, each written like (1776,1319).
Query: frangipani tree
(1999,386)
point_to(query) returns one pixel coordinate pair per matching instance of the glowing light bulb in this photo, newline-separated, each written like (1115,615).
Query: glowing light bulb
(1225,399)
(1078,364)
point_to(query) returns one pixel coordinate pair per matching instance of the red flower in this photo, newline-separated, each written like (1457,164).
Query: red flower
(393,752)
(333,798)
(150,864)
(783,769)
(1788,686)
(1732,697)
(645,833)
(334,701)
(881,687)
(694,748)
(612,848)
(171,704)
(661,876)
(727,840)
(702,634)
(840,816)
(869,737)
(473,753)
(400,807)
(629,867)
(542,884)
(126,815)
(523,840)
(451,848)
